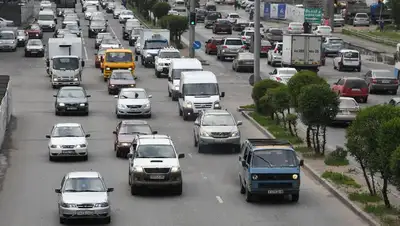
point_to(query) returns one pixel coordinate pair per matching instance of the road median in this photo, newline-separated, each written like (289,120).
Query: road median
(370,36)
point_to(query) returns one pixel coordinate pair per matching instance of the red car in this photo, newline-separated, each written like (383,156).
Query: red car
(211,45)
(352,87)
(34,31)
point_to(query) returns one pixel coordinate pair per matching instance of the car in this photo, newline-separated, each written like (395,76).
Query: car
(332,46)
(97,26)
(163,60)
(137,48)
(117,11)
(348,110)
(239,25)
(68,140)
(98,16)
(130,24)
(381,80)
(126,132)
(212,44)
(222,25)
(262,29)
(110,7)
(6,23)
(68,11)
(90,3)
(354,87)
(100,36)
(243,62)
(246,36)
(265,47)
(230,47)
(98,57)
(132,102)
(216,128)
(275,55)
(269,167)
(282,74)
(89,11)
(232,17)
(361,19)
(211,18)
(347,59)
(109,43)
(34,47)
(134,35)
(323,30)
(45,4)
(73,28)
(154,163)
(60,33)
(274,35)
(22,37)
(338,20)
(125,15)
(173,12)
(71,99)
(119,79)
(295,28)
(200,15)
(73,194)
(70,18)
(34,31)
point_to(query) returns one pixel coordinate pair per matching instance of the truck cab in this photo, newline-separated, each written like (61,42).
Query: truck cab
(269,167)
(117,59)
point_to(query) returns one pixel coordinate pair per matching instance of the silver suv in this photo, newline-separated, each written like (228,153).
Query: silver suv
(230,47)
(216,127)
(83,195)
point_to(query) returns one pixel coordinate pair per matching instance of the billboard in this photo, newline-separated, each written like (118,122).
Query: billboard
(277,11)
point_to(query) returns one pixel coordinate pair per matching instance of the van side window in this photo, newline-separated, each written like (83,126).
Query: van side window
(340,82)
(249,156)
(244,149)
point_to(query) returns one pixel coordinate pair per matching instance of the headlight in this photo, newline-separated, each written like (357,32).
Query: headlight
(176,87)
(295,176)
(68,205)
(20,39)
(81,145)
(148,55)
(75,79)
(103,204)
(175,169)
(204,134)
(54,146)
(124,144)
(254,177)
(130,69)
(82,105)
(61,104)
(217,105)
(55,80)
(188,104)
(133,85)
(107,68)
(235,134)
(138,169)
(121,106)
(147,105)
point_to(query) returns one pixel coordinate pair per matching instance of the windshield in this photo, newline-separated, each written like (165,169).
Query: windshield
(170,55)
(198,89)
(21,33)
(126,13)
(84,185)
(338,16)
(134,129)
(119,57)
(126,75)
(249,33)
(276,32)
(274,158)
(65,63)
(96,23)
(156,44)
(383,74)
(234,16)
(91,9)
(213,16)
(67,131)
(347,103)
(218,120)
(176,73)
(155,151)
(33,42)
(72,27)
(287,72)
(34,27)
(336,41)
(237,42)
(350,55)
(6,35)
(71,93)
(362,15)
(132,95)
(46,17)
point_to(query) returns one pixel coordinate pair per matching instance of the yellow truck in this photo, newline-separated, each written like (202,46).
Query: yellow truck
(118,59)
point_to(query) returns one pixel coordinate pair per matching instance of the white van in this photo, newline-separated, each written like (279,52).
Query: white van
(47,20)
(347,59)
(198,90)
(174,74)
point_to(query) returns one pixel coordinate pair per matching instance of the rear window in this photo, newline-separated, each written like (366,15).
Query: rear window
(362,16)
(216,42)
(224,22)
(276,32)
(383,74)
(233,42)
(214,16)
(336,41)
(211,8)
(355,84)
(234,16)
(350,55)
(347,103)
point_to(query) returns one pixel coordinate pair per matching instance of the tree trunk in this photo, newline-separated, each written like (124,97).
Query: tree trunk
(371,191)
(308,138)
(291,129)
(313,138)
(372,175)
(323,139)
(318,147)
(284,120)
(278,120)
(385,191)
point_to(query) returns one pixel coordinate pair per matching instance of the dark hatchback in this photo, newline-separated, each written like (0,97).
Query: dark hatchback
(71,99)
(126,132)
(274,35)
(201,15)
(222,25)
(34,31)
(211,18)
(120,79)
(240,25)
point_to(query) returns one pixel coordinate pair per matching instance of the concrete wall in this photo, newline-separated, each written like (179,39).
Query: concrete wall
(27,11)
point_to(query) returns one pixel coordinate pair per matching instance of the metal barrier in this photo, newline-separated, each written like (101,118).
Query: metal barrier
(6,105)
(373,38)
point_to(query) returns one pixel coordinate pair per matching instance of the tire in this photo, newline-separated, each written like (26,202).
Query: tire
(158,74)
(134,190)
(148,116)
(195,142)
(51,158)
(180,112)
(200,149)
(107,220)
(117,154)
(85,158)
(178,190)
(63,220)
(340,67)
(130,43)
(26,54)
(57,113)
(242,188)
(86,113)
(237,149)
(129,179)
(105,79)
(268,62)
(118,115)
(359,69)
(185,117)
(364,100)
(295,197)
(249,196)
(169,93)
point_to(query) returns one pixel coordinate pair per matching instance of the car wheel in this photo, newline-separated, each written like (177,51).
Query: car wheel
(107,220)
(242,188)
(340,68)
(26,54)
(86,157)
(63,220)
(178,189)
(200,148)
(169,93)
(295,197)
(195,142)
(134,190)
(86,113)
(180,112)
(117,154)
(51,158)
(158,74)
(249,196)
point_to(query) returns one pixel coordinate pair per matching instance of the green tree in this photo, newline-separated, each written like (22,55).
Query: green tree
(266,106)
(161,9)
(318,105)
(298,81)
(280,100)
(176,25)
(260,89)
(144,6)
(395,6)
(395,167)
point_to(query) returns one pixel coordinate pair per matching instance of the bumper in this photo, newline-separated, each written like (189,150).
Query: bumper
(65,83)
(344,118)
(76,152)
(193,112)
(276,60)
(133,112)
(48,28)
(33,36)
(162,69)
(148,60)
(246,67)
(78,213)
(143,180)
(229,54)
(274,187)
(33,52)
(219,141)
(361,23)
(8,47)
(123,149)
(116,89)
(264,191)
(74,109)
(384,87)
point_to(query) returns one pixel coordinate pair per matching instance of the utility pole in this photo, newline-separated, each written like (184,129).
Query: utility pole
(257,41)
(331,13)
(192,30)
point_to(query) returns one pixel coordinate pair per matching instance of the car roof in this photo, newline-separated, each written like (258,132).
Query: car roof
(118,50)
(380,70)
(286,69)
(216,112)
(67,125)
(132,89)
(71,88)
(83,174)
(134,122)
(349,50)
(233,38)
(346,98)
(154,139)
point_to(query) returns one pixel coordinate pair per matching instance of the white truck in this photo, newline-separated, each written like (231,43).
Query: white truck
(151,41)
(64,61)
(302,51)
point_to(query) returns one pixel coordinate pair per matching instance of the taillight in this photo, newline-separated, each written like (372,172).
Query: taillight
(289,28)
(244,47)
(275,50)
(396,81)
(243,38)
(374,81)
(278,78)
(224,47)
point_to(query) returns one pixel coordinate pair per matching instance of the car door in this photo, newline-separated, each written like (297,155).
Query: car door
(197,127)
(246,172)
(116,134)
(368,77)
(208,43)
(243,157)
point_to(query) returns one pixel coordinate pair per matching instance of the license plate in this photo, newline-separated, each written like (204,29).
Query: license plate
(385,81)
(346,112)
(135,110)
(72,108)
(68,151)
(84,213)
(356,90)
(219,140)
(157,177)
(249,63)
(275,192)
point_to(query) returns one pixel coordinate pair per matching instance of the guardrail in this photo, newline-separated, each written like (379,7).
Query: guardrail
(372,38)
(6,105)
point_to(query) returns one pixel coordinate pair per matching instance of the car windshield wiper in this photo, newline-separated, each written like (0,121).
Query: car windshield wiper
(89,190)
(70,190)
(266,161)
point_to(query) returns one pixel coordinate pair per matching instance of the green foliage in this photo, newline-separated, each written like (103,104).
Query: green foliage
(395,6)
(260,89)
(175,24)
(337,158)
(340,179)
(280,98)
(301,79)
(395,166)
(364,197)
(265,106)
(161,9)
(248,107)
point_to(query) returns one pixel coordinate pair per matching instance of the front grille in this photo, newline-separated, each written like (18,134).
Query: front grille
(166,64)
(275,185)
(275,176)
(202,105)
(68,146)
(71,105)
(156,170)
(88,205)
(220,135)
(134,106)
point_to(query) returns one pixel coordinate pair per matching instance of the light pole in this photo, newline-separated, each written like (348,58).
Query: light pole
(192,30)
(257,41)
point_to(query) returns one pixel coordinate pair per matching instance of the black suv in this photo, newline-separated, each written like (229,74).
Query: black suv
(97,26)
(71,99)
(222,25)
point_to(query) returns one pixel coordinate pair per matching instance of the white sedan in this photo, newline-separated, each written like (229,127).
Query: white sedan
(283,74)
(323,30)
(125,15)
(232,17)
(137,47)
(110,44)
(133,102)
(68,140)
(89,11)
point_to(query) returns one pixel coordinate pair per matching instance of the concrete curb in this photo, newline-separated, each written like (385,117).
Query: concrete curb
(326,184)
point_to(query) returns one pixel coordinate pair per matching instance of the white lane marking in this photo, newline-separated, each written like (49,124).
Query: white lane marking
(85,49)
(219,199)
(190,155)
(115,35)
(203,175)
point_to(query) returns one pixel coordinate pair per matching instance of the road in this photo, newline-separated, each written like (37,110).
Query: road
(211,191)
(335,135)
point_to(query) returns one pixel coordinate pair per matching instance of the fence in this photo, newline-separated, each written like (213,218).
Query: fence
(6,105)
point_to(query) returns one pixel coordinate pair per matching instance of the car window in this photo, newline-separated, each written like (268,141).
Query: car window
(350,55)
(362,15)
(248,158)
(218,120)
(347,103)
(155,151)
(216,42)
(340,82)
(71,93)
(67,131)
(84,185)
(233,42)
(274,158)
(355,84)
(170,54)
(383,74)
(276,32)
(132,94)
(134,129)
(122,75)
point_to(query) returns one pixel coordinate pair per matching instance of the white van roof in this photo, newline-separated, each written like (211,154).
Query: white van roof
(186,63)
(198,77)
(46,12)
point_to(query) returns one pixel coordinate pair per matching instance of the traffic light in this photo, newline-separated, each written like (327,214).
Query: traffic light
(192,18)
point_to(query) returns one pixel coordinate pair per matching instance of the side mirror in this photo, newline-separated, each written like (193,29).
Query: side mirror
(83,63)
(335,83)
(115,132)
(244,163)
(57,190)
(240,158)
(150,96)
(116,96)
(239,123)
(222,94)
(110,189)
(181,156)
(87,135)
(55,95)
(47,136)
(88,95)
(196,123)
(155,132)
(301,162)
(129,155)
(271,73)
(169,79)
(136,58)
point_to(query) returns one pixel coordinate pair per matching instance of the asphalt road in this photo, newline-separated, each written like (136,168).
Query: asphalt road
(335,135)
(211,191)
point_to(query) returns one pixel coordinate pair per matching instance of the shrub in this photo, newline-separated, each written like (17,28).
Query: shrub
(260,89)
